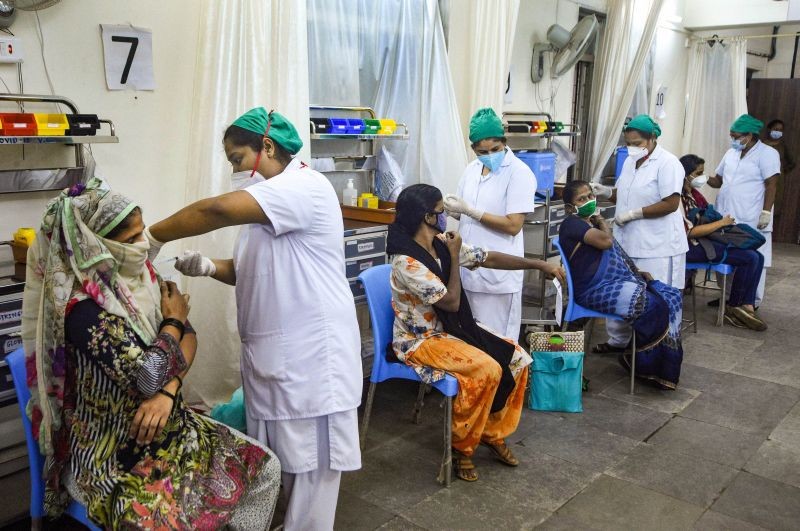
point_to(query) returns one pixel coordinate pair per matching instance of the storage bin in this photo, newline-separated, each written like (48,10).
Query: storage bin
(17,124)
(622,154)
(355,126)
(321,126)
(518,127)
(543,165)
(82,124)
(338,126)
(372,127)
(51,124)
(388,126)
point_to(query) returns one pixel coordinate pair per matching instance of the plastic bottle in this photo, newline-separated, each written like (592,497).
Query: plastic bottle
(349,194)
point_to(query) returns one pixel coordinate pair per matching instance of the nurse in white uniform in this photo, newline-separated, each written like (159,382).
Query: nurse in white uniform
(301,350)
(649,221)
(748,176)
(495,193)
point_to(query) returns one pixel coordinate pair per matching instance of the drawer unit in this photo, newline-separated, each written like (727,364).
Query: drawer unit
(10,312)
(357,289)
(7,393)
(353,268)
(363,246)
(9,343)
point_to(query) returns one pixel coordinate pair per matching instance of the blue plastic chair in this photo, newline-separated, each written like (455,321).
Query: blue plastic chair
(379,300)
(722,269)
(575,311)
(16,362)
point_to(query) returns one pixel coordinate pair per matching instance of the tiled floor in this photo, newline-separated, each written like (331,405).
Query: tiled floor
(723,452)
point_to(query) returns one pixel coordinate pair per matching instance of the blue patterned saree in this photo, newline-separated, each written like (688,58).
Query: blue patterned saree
(652,308)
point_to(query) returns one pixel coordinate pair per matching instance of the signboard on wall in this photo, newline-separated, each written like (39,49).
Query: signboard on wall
(661,96)
(128,54)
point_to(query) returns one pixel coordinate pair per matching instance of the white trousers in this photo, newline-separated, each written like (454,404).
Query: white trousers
(501,312)
(670,270)
(306,449)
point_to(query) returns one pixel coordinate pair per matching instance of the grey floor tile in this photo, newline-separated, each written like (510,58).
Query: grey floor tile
(714,348)
(776,461)
(475,506)
(559,522)
(587,446)
(549,482)
(712,521)
(652,398)
(709,441)
(689,478)
(355,513)
(399,524)
(614,504)
(622,418)
(761,501)
(742,403)
(787,431)
(15,501)
(775,364)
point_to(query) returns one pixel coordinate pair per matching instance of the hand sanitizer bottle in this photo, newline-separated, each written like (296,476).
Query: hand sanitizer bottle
(349,194)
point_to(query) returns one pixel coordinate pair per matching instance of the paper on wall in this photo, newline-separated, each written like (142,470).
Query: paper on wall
(128,54)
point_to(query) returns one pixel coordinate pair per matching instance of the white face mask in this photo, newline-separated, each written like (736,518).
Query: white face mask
(699,181)
(241,179)
(637,153)
(775,135)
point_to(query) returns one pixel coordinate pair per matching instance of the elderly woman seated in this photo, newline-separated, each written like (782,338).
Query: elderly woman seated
(435,331)
(740,310)
(107,345)
(606,280)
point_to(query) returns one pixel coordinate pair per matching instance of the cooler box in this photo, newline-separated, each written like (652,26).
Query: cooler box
(51,124)
(543,165)
(622,154)
(17,124)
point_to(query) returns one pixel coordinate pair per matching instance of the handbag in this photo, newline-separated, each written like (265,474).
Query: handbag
(557,371)
(739,235)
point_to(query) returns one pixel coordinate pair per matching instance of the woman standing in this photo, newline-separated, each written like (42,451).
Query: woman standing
(648,224)
(301,349)
(495,194)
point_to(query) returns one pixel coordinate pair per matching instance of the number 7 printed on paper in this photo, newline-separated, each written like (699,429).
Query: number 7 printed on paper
(128,53)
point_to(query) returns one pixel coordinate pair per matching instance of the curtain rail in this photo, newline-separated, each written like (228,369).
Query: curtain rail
(723,37)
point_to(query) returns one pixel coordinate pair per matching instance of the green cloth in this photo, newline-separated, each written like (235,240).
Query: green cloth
(645,124)
(485,124)
(281,130)
(747,124)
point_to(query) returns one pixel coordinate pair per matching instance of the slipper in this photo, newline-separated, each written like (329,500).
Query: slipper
(502,452)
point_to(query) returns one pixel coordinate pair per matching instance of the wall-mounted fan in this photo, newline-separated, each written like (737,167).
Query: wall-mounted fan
(569,46)
(8,9)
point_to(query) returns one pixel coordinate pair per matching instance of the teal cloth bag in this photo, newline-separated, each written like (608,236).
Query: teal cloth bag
(232,413)
(556,383)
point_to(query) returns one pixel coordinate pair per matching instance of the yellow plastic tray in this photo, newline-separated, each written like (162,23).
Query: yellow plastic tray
(51,124)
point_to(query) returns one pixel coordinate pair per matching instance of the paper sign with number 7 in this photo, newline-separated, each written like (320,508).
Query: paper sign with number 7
(128,53)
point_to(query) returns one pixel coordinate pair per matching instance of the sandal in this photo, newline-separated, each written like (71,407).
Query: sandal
(502,452)
(463,467)
(605,348)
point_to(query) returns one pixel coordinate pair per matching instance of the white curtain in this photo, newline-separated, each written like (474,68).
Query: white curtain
(484,43)
(391,56)
(251,53)
(716,95)
(629,32)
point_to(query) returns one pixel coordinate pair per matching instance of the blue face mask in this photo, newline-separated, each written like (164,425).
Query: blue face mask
(493,160)
(735,144)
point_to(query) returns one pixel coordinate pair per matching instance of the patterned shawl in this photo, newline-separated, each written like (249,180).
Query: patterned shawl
(70,261)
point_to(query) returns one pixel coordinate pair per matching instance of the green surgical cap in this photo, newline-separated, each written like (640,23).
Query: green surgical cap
(485,124)
(747,124)
(645,124)
(281,130)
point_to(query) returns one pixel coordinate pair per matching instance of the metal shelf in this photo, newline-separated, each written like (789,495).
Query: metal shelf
(318,136)
(541,135)
(69,140)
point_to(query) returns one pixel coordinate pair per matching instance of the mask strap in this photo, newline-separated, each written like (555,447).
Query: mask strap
(266,132)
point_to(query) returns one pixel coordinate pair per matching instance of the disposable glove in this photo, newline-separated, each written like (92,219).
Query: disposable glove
(455,205)
(194,264)
(764,219)
(601,191)
(628,216)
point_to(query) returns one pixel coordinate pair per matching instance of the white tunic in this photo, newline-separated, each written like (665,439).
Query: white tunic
(509,190)
(301,349)
(659,177)
(742,192)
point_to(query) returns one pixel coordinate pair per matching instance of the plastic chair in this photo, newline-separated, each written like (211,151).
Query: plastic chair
(379,300)
(575,311)
(16,362)
(722,269)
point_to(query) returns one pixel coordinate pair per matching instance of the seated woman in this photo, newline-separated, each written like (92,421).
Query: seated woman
(435,331)
(107,345)
(606,280)
(739,311)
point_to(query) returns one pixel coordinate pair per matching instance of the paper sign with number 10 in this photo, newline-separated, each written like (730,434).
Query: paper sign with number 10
(128,53)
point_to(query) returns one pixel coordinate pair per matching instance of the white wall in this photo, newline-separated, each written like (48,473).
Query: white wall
(718,14)
(149,164)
